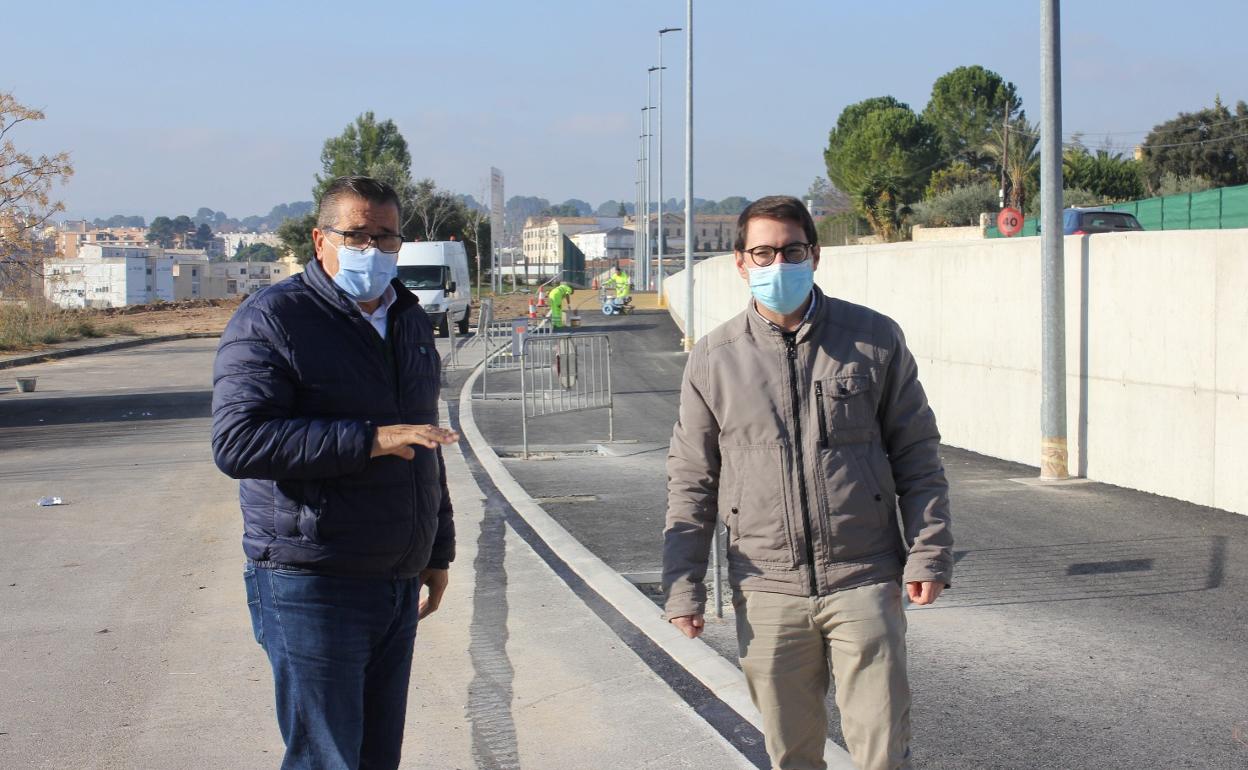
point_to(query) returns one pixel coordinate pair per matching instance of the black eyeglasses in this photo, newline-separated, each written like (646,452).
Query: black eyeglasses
(360,240)
(794,253)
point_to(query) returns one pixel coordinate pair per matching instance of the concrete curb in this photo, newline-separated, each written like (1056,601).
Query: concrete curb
(719,676)
(103,347)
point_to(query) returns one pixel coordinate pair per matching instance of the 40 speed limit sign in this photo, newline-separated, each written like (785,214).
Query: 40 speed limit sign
(1010,221)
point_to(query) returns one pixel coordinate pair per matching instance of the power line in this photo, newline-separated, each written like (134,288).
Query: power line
(1187,127)
(1189,144)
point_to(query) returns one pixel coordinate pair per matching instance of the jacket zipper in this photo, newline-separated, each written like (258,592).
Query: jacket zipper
(790,345)
(392,341)
(823,419)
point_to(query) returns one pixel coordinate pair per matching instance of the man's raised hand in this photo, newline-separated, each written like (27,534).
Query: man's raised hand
(398,440)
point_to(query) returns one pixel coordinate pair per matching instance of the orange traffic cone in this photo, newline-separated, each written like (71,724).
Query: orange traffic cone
(532,310)
(595,284)
(541,298)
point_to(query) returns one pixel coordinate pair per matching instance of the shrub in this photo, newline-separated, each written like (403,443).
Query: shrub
(958,207)
(32,324)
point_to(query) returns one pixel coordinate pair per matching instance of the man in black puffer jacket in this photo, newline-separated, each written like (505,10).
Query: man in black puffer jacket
(325,406)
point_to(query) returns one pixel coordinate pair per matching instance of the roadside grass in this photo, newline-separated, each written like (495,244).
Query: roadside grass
(23,327)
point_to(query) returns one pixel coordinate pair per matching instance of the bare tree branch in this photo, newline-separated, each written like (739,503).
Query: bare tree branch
(25,204)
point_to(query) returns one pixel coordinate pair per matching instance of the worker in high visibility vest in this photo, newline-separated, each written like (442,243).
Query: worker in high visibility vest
(560,294)
(619,281)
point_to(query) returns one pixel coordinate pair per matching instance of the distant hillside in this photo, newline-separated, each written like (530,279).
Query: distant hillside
(220,222)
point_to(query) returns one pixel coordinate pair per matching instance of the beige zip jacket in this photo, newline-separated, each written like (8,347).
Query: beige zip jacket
(816,449)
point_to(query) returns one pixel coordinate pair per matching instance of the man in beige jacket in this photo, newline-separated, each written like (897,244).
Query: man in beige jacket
(804,428)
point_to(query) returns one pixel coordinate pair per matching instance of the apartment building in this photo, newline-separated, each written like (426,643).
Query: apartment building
(114,276)
(712,232)
(542,236)
(76,234)
(231,243)
(239,278)
(607,244)
(109,276)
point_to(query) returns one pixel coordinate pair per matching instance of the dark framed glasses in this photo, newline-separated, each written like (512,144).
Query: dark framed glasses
(794,253)
(360,240)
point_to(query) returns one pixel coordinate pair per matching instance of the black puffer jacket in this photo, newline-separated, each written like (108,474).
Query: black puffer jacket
(300,384)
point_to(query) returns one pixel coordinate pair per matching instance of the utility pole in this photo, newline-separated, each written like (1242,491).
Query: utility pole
(689,181)
(637,225)
(476,229)
(645,187)
(649,177)
(1053,448)
(662,229)
(1005,151)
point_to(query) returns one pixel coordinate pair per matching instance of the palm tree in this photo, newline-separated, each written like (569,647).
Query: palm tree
(1022,166)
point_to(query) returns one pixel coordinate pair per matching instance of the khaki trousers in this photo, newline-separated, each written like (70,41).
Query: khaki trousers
(790,646)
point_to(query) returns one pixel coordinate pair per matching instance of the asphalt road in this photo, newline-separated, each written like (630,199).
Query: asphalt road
(1089,626)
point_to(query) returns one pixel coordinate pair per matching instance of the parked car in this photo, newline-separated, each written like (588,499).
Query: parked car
(1090,221)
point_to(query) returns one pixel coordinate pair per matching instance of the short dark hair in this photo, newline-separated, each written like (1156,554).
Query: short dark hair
(371,190)
(784,208)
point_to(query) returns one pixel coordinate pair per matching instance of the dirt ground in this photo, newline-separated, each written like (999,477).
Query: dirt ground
(203,316)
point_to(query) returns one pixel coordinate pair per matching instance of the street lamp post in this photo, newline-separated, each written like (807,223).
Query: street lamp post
(662,232)
(649,190)
(1053,449)
(689,178)
(645,188)
(637,231)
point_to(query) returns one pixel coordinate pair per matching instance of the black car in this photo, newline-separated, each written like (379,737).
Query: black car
(1089,221)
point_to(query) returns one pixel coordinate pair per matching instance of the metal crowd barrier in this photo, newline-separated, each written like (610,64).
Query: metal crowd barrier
(562,373)
(451,360)
(504,341)
(485,321)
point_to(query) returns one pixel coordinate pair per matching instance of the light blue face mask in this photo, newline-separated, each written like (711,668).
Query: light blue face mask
(782,286)
(365,274)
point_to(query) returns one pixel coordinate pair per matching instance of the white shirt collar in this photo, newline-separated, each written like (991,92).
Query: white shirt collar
(378,317)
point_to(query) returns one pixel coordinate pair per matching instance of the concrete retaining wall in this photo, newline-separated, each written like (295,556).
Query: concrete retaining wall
(1157,347)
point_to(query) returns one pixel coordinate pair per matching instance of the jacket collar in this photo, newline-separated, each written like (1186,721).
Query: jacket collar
(756,324)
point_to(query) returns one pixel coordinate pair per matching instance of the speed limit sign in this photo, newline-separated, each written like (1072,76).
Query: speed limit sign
(1010,221)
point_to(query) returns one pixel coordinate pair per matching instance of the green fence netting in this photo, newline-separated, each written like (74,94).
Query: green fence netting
(1220,209)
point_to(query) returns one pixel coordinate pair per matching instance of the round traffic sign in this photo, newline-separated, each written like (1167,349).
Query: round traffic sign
(1010,221)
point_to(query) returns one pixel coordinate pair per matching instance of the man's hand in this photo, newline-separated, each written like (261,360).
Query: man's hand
(398,439)
(436,580)
(689,625)
(925,592)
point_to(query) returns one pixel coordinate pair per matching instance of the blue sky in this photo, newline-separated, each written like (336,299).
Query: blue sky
(169,106)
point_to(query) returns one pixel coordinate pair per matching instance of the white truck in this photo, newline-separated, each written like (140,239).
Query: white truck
(437,273)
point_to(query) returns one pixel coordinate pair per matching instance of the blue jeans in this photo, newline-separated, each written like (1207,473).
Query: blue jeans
(341,651)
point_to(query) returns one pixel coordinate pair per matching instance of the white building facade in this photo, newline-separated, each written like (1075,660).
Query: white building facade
(110,276)
(611,244)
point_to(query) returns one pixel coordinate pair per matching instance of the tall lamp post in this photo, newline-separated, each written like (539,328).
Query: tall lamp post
(638,242)
(1053,449)
(689,178)
(649,190)
(645,188)
(662,231)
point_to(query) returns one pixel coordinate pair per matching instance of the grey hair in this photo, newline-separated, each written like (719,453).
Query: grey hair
(367,188)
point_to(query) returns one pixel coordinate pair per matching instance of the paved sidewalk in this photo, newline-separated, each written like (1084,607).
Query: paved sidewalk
(515,671)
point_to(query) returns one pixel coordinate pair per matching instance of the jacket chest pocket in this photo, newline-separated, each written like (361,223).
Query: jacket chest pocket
(845,409)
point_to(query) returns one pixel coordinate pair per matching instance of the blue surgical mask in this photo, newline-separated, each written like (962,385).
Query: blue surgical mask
(365,274)
(782,286)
